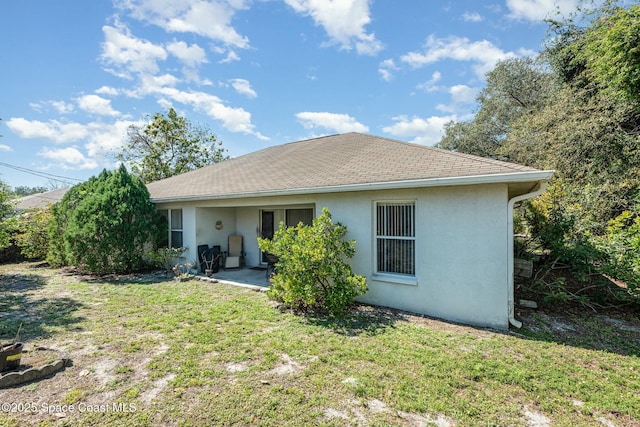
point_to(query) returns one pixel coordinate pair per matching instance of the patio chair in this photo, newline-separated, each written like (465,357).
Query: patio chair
(211,259)
(235,253)
(202,249)
(271,264)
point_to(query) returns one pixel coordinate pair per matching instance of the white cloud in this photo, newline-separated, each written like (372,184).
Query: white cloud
(527,52)
(460,95)
(483,53)
(231,57)
(472,17)
(60,106)
(427,131)
(106,90)
(128,53)
(68,158)
(386,69)
(95,104)
(101,139)
(430,85)
(191,56)
(192,75)
(339,123)
(52,130)
(463,94)
(537,10)
(150,85)
(243,87)
(5,148)
(234,119)
(107,138)
(211,19)
(164,87)
(344,21)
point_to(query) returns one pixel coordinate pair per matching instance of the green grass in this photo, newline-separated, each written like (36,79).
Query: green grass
(220,355)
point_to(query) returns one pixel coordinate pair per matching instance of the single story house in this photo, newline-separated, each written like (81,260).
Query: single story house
(433,228)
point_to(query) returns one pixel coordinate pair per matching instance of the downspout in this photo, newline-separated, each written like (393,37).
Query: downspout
(510,259)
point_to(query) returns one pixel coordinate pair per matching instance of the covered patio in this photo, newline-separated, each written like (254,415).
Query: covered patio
(247,276)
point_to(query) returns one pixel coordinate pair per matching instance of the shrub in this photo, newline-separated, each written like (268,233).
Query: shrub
(6,211)
(165,258)
(61,214)
(565,242)
(312,272)
(103,224)
(32,237)
(622,244)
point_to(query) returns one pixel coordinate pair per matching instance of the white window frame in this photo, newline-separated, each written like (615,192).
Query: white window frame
(175,229)
(406,223)
(171,228)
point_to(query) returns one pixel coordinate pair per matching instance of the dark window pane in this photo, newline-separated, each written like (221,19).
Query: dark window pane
(396,256)
(176,239)
(296,216)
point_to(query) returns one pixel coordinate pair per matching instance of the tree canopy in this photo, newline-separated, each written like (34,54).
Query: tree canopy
(515,88)
(574,109)
(169,145)
(611,52)
(24,190)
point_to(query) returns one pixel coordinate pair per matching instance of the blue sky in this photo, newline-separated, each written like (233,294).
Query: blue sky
(77,73)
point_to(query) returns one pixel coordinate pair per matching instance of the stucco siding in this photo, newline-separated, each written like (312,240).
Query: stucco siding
(461,252)
(206,232)
(248,222)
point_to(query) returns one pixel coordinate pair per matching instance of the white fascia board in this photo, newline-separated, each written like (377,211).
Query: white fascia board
(506,178)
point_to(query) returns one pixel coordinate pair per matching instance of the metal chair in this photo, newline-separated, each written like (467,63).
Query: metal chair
(271,264)
(211,259)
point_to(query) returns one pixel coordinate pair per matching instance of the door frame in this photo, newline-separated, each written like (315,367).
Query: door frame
(272,212)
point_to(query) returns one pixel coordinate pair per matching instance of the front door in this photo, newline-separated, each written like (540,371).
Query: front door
(267,226)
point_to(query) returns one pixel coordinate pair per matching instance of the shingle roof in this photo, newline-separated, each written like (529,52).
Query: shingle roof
(41,200)
(331,161)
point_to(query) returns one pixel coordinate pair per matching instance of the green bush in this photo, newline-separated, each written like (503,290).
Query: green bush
(558,235)
(622,244)
(31,236)
(165,258)
(61,214)
(312,272)
(561,239)
(6,211)
(103,224)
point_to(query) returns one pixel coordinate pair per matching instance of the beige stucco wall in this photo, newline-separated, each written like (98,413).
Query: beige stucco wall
(461,245)
(206,232)
(461,252)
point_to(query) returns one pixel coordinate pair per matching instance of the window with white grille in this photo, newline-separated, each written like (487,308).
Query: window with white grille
(396,238)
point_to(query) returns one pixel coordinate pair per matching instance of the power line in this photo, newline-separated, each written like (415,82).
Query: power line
(45,175)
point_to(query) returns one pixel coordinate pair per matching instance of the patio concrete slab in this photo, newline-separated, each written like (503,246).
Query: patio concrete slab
(246,276)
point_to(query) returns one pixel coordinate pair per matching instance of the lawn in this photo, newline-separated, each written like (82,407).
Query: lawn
(148,350)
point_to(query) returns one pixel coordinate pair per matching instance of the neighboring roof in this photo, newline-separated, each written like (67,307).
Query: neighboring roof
(40,200)
(345,162)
